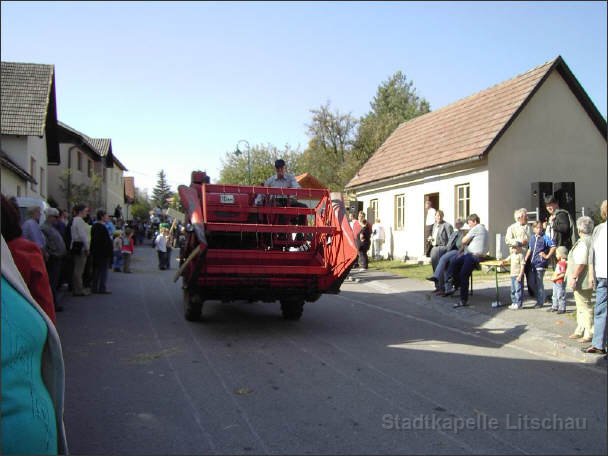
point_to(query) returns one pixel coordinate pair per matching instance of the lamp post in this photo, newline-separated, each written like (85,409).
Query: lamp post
(238,152)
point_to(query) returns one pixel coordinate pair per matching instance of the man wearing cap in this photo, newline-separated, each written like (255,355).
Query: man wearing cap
(283,179)
(55,250)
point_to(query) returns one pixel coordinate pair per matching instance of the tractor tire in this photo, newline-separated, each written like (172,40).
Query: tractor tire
(193,306)
(292,308)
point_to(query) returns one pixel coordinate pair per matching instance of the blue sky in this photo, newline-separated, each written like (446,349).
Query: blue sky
(177,85)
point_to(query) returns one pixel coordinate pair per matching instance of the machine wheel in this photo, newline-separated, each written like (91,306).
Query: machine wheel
(193,306)
(292,308)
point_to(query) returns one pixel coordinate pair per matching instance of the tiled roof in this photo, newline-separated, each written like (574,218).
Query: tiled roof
(464,130)
(101,146)
(25,98)
(307,180)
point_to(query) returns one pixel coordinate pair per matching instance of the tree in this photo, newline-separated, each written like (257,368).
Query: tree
(395,102)
(331,141)
(141,207)
(234,167)
(162,192)
(86,193)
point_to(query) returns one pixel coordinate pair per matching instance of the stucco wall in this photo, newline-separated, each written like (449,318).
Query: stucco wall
(10,182)
(114,188)
(410,240)
(77,177)
(21,149)
(553,140)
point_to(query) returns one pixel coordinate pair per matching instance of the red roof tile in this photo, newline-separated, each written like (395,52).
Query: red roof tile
(462,130)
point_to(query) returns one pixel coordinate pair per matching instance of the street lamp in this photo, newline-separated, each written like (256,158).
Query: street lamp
(238,152)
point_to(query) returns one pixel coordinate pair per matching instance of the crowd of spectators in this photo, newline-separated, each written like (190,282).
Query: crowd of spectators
(575,251)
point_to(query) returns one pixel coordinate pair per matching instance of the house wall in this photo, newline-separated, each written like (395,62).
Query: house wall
(69,159)
(12,185)
(20,150)
(554,140)
(114,188)
(410,240)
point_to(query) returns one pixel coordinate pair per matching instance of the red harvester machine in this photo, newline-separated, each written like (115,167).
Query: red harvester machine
(257,243)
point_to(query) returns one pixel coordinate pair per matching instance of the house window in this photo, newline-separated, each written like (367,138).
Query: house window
(89,168)
(373,204)
(399,212)
(79,161)
(42,182)
(33,172)
(104,173)
(463,201)
(18,190)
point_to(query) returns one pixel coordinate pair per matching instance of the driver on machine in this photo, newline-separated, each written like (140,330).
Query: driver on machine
(283,179)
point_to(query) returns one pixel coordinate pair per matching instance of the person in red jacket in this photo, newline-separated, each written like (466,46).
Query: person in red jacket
(28,258)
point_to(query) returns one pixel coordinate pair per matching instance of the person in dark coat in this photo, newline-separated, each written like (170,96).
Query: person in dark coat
(101,253)
(363,239)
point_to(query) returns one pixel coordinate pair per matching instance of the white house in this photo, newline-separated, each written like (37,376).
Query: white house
(82,159)
(485,154)
(28,129)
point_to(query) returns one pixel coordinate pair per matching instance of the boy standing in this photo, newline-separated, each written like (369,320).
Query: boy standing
(517,274)
(541,249)
(559,284)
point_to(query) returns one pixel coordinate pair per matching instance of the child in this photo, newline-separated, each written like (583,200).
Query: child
(539,251)
(117,247)
(517,273)
(559,283)
(127,250)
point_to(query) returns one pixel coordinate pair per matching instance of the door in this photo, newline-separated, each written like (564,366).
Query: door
(433,199)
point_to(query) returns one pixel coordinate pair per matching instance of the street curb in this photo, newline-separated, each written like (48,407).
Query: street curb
(544,342)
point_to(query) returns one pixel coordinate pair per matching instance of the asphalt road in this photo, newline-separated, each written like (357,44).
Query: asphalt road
(368,371)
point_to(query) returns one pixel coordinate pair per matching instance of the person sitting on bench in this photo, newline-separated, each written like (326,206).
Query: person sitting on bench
(475,247)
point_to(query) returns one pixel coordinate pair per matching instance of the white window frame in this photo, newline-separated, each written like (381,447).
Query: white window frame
(462,201)
(400,212)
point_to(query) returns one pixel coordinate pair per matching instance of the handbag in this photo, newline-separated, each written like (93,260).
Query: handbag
(77,247)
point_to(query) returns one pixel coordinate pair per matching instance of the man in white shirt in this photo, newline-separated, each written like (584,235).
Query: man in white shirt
(520,233)
(161,248)
(378,237)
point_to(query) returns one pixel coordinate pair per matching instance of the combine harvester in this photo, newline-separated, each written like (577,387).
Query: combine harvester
(250,243)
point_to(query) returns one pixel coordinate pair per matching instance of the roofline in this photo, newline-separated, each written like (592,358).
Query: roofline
(443,166)
(575,87)
(6,161)
(81,137)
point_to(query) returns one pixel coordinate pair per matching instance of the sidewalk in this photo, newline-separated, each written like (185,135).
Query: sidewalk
(545,332)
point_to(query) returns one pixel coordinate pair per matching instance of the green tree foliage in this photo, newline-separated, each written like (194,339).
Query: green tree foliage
(395,102)
(141,208)
(162,191)
(331,141)
(86,193)
(235,167)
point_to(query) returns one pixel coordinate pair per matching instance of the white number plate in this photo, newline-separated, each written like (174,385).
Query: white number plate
(226,198)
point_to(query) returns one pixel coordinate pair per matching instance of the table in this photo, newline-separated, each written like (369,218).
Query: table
(496,265)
